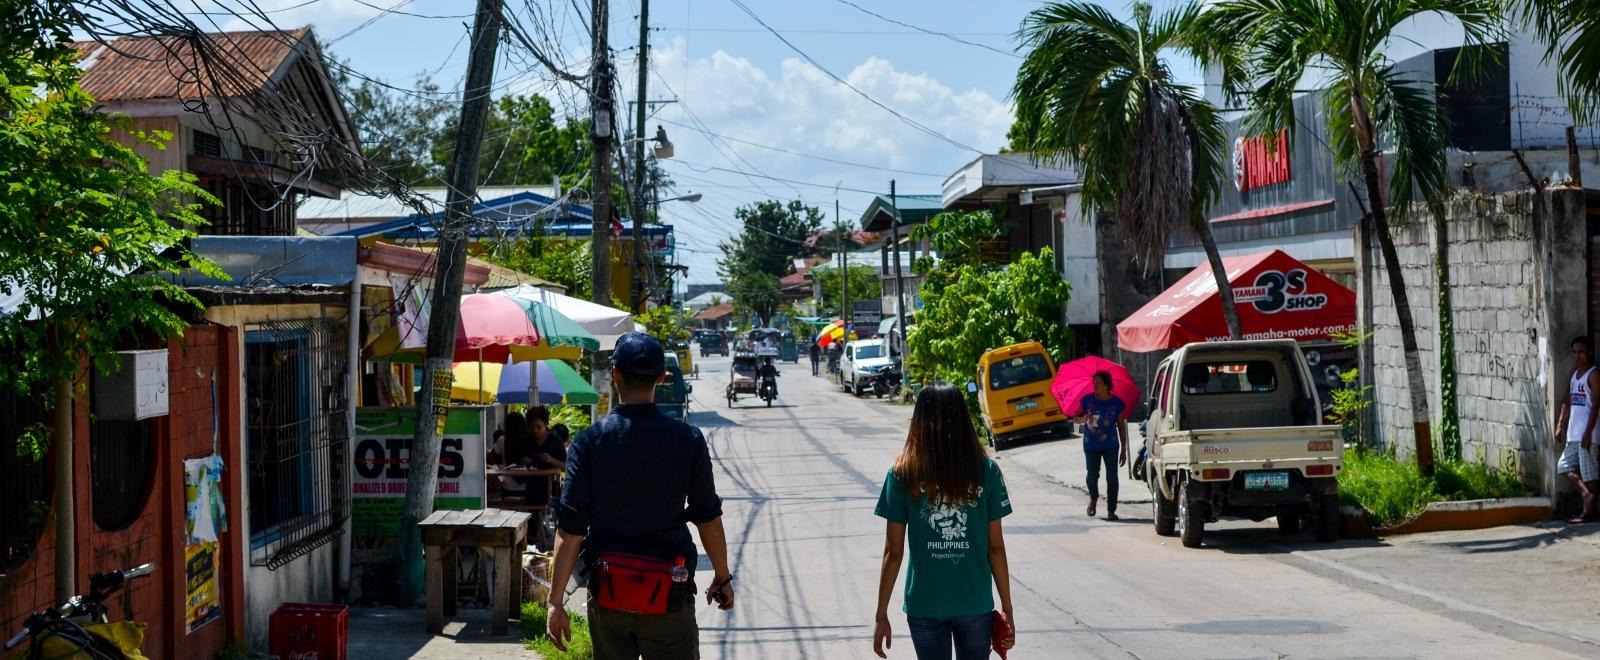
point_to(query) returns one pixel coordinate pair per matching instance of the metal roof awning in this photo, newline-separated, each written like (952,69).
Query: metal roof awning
(274,261)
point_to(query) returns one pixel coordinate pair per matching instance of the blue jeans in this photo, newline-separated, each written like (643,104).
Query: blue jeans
(1095,458)
(932,638)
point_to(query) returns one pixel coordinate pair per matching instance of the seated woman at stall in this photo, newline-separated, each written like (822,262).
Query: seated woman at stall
(516,450)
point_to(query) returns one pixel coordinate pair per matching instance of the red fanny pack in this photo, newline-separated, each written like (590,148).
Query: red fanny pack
(634,583)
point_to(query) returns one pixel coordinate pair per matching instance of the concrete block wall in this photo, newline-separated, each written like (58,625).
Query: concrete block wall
(1518,274)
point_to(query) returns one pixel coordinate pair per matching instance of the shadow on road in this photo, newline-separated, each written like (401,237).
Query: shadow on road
(1267,540)
(710,419)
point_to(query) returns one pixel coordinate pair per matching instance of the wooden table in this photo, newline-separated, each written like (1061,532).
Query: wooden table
(500,534)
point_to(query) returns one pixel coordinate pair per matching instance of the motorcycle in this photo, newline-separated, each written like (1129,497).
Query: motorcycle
(886,381)
(769,391)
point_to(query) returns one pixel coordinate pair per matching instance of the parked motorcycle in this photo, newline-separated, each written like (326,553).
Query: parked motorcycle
(886,381)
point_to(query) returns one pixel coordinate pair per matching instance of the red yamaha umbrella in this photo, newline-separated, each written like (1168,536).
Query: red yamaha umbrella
(1075,380)
(1277,296)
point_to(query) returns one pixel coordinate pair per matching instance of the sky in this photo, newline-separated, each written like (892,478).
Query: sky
(753,118)
(758,108)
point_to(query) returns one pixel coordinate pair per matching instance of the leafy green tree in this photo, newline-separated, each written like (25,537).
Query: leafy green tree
(563,261)
(774,233)
(1570,30)
(87,235)
(1371,107)
(865,284)
(399,131)
(755,295)
(1099,92)
(961,238)
(968,309)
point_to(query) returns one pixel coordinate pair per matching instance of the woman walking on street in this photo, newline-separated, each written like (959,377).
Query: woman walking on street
(1105,441)
(948,497)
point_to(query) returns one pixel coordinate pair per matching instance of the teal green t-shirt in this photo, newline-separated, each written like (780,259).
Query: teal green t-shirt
(948,575)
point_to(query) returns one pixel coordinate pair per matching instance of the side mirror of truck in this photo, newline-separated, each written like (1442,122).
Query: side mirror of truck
(972,387)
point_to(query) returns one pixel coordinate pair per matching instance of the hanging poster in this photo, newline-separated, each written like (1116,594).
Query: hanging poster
(205,516)
(201,604)
(380,460)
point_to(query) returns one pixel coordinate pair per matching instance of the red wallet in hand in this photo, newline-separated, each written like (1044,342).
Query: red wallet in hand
(1002,631)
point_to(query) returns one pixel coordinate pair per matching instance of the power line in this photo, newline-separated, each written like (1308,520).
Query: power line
(802,154)
(907,120)
(696,167)
(933,33)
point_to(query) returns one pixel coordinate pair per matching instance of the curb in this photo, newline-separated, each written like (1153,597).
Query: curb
(1450,516)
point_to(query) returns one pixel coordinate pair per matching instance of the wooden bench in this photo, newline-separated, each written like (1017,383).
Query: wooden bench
(501,535)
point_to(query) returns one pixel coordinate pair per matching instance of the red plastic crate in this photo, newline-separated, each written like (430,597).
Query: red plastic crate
(309,631)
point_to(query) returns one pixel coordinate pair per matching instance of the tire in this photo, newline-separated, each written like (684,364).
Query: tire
(995,441)
(855,388)
(1191,518)
(1164,512)
(1288,521)
(1327,523)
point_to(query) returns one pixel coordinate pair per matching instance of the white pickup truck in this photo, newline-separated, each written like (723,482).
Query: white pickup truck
(1235,430)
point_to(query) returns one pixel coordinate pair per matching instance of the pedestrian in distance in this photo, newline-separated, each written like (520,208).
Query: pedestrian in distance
(947,496)
(634,482)
(1575,429)
(816,358)
(1105,441)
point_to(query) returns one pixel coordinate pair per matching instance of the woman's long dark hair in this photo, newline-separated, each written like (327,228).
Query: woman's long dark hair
(942,460)
(519,437)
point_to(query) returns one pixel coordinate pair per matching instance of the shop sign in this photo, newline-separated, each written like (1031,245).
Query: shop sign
(1257,163)
(1276,291)
(381,461)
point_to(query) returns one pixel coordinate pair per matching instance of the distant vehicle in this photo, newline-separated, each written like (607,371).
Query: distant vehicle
(672,395)
(865,362)
(1013,389)
(1235,431)
(713,344)
(743,377)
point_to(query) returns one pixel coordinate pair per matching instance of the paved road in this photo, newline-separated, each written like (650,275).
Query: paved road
(800,480)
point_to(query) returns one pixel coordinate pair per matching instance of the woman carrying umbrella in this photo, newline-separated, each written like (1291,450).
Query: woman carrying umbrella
(1105,440)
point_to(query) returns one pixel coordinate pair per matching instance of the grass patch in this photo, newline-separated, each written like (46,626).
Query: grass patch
(1394,491)
(533,638)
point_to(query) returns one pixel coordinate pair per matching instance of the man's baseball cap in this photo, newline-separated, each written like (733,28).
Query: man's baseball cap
(639,354)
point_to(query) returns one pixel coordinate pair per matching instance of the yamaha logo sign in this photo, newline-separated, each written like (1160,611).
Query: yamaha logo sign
(1276,291)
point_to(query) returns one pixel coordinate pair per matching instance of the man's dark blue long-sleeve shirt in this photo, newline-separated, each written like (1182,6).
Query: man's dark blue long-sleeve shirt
(633,483)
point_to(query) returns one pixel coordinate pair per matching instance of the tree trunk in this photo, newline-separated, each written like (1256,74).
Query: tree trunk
(66,525)
(1422,434)
(1230,309)
(422,477)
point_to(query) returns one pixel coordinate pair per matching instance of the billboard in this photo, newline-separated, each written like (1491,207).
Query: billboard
(380,462)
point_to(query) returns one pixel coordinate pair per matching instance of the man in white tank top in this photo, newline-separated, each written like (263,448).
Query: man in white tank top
(1575,429)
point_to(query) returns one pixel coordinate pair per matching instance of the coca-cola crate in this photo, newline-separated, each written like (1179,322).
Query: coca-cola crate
(309,631)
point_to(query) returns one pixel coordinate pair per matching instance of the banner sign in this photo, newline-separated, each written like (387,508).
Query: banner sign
(381,458)
(205,517)
(866,312)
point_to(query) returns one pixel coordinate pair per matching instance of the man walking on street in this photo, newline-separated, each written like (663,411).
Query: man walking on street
(816,358)
(1575,429)
(632,482)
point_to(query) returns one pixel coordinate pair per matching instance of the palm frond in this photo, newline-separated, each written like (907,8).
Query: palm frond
(1570,31)
(1412,121)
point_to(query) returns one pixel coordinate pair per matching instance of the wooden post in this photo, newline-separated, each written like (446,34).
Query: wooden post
(1573,163)
(422,479)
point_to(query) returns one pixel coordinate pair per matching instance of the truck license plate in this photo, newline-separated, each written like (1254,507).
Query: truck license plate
(1027,405)
(1266,480)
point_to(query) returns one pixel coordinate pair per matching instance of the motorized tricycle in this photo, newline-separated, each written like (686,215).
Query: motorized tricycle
(744,377)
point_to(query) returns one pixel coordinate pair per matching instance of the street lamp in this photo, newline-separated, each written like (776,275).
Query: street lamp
(691,198)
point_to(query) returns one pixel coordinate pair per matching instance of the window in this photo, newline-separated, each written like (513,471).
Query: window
(207,144)
(1249,377)
(1161,389)
(122,459)
(247,210)
(296,437)
(25,488)
(1019,371)
(868,352)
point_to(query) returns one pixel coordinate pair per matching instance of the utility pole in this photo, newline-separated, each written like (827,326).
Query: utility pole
(899,280)
(640,206)
(844,271)
(600,135)
(445,302)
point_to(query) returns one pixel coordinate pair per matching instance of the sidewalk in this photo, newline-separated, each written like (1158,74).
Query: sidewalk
(1061,460)
(383,632)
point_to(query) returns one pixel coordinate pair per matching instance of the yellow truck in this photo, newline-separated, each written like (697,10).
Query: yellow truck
(1236,431)
(1013,390)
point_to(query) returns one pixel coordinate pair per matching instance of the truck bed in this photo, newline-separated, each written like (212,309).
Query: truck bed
(1272,446)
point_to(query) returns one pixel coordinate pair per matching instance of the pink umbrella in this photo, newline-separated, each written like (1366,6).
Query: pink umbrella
(492,328)
(1075,380)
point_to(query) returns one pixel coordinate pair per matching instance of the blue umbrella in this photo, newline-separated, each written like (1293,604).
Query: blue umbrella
(558,383)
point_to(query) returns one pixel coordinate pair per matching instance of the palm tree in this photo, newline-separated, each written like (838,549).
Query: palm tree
(1570,30)
(1371,107)
(1098,92)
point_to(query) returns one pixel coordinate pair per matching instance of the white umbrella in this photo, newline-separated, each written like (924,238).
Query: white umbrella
(605,323)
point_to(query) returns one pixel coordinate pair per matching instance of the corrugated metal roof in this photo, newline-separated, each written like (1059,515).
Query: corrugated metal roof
(146,68)
(284,261)
(327,213)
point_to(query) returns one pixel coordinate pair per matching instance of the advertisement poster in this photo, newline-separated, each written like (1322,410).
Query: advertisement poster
(201,604)
(381,457)
(205,517)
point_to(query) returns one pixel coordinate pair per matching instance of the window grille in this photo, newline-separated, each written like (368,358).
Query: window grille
(24,482)
(122,466)
(297,440)
(207,144)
